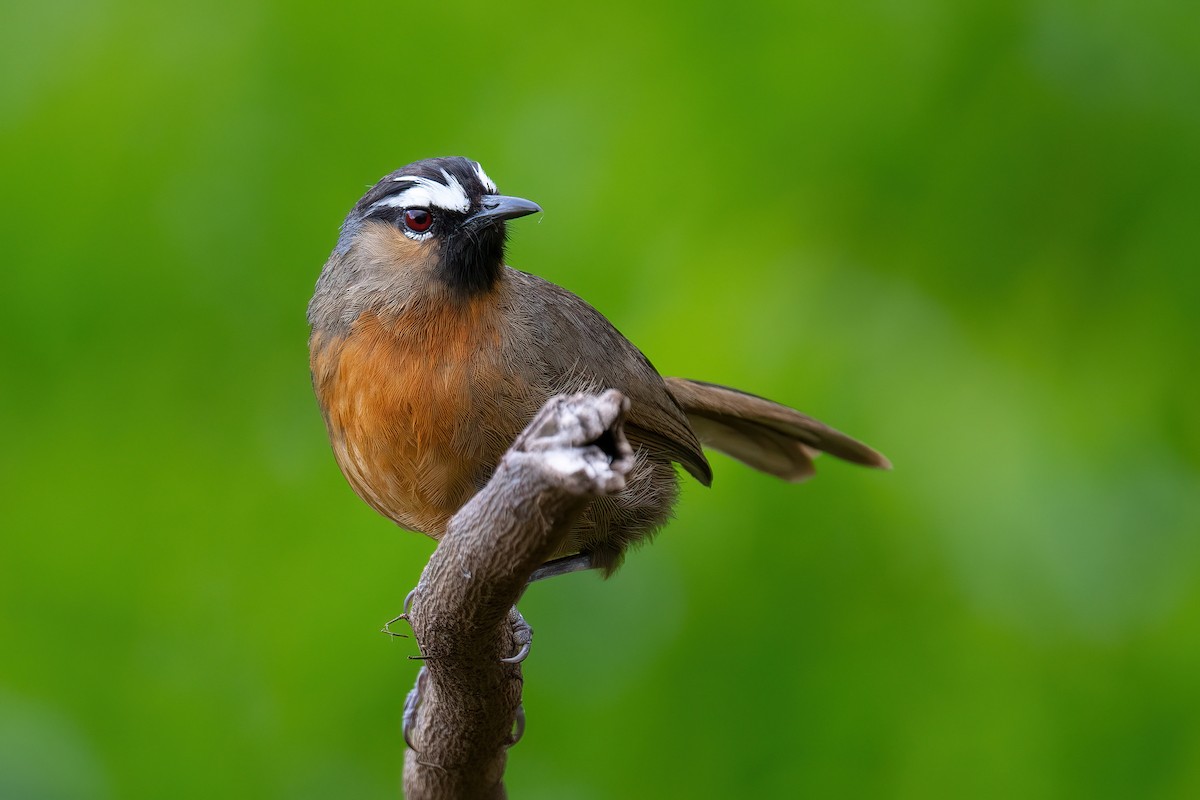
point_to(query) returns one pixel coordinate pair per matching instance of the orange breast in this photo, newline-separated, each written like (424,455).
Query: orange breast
(418,408)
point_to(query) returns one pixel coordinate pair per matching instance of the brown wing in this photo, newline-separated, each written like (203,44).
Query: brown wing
(578,349)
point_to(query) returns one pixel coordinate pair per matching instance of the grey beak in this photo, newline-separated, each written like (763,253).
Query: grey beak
(495,207)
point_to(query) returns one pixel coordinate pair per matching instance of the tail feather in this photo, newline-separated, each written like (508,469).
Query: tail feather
(763,434)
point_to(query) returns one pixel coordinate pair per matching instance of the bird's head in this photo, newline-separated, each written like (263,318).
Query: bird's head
(443,217)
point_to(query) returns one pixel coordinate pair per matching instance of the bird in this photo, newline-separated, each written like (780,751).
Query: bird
(429,355)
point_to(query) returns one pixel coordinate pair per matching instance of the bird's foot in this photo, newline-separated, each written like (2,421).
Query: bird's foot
(413,702)
(522,634)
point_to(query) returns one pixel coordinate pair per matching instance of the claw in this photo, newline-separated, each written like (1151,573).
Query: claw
(411,703)
(408,598)
(521,655)
(518,726)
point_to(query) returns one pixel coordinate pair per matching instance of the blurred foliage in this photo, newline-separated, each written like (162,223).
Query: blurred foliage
(966,233)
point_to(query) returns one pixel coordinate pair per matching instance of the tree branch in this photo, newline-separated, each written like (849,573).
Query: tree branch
(467,698)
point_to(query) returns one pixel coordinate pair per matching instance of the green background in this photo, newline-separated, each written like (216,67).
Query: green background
(964,232)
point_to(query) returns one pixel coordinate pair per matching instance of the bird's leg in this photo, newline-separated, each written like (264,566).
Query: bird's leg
(522,634)
(563,566)
(559,566)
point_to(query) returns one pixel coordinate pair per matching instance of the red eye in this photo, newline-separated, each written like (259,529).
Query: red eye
(418,219)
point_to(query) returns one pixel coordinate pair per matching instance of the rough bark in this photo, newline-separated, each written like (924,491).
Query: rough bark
(467,699)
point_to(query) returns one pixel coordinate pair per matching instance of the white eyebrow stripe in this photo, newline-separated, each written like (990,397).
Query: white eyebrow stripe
(487,182)
(426,193)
